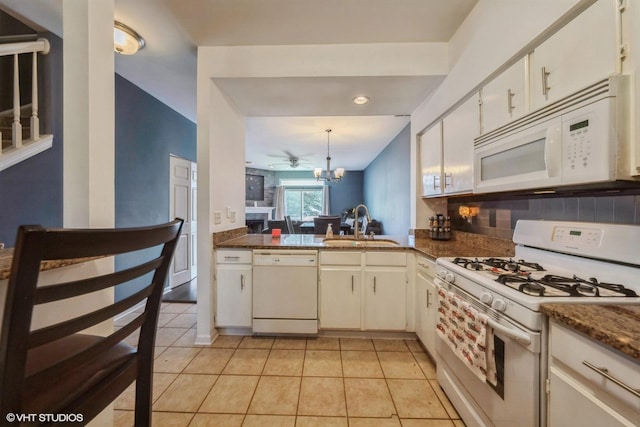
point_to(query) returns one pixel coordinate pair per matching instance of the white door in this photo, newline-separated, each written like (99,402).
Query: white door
(182,205)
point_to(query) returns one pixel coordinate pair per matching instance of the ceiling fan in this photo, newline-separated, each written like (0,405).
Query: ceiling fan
(292,161)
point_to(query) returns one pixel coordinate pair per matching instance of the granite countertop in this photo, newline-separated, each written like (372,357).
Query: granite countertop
(6,257)
(617,326)
(464,244)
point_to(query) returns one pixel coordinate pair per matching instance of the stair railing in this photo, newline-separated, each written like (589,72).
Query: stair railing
(15,49)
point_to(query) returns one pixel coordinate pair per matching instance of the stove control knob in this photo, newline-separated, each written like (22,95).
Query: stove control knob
(486,297)
(499,305)
(442,273)
(450,277)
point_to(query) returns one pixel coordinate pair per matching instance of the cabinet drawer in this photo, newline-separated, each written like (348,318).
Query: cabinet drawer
(571,349)
(339,258)
(386,258)
(426,266)
(230,256)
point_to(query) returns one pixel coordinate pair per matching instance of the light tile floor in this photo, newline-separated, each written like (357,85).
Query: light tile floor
(262,381)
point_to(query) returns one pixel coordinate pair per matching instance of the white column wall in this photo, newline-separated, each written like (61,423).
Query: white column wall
(221,156)
(494,31)
(89,117)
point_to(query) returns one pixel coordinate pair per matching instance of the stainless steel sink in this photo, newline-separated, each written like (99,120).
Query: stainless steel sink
(359,242)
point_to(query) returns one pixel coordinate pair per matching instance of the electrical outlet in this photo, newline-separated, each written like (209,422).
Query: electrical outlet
(233,216)
(217,217)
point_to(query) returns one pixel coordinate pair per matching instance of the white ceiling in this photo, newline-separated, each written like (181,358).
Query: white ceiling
(303,107)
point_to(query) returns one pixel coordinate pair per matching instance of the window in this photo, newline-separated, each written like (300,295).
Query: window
(303,203)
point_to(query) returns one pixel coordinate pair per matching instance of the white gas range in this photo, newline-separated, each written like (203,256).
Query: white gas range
(554,262)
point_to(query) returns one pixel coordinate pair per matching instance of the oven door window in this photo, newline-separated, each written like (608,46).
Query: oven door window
(498,347)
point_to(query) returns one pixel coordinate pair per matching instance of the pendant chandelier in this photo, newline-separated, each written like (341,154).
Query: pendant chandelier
(337,174)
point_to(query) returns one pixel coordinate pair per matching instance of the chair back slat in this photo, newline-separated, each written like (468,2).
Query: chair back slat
(59,330)
(120,363)
(80,287)
(80,243)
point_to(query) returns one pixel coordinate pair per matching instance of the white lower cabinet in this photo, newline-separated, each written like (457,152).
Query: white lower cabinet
(586,383)
(340,288)
(385,298)
(363,290)
(234,288)
(340,297)
(426,303)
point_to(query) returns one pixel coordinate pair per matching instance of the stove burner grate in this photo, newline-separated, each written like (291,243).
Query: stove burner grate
(589,287)
(513,265)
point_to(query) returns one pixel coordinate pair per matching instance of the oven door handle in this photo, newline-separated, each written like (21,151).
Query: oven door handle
(517,335)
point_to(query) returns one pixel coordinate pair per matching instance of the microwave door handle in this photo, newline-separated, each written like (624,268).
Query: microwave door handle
(551,148)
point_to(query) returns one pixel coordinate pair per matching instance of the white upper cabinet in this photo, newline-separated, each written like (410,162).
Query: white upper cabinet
(458,131)
(504,98)
(579,54)
(431,160)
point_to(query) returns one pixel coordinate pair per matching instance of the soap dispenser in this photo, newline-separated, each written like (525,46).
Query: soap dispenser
(329,231)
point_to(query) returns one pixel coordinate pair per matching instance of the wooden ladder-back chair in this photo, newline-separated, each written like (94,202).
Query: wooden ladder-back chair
(60,368)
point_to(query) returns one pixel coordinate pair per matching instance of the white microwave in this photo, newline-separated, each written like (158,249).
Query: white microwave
(580,139)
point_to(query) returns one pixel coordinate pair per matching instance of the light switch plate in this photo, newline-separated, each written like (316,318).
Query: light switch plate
(217,217)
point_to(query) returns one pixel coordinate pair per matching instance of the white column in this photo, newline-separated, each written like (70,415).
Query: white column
(89,135)
(89,158)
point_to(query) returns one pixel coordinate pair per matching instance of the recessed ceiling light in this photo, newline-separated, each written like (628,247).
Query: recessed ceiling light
(360,100)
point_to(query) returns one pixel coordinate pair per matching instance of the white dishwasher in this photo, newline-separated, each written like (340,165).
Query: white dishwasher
(285,291)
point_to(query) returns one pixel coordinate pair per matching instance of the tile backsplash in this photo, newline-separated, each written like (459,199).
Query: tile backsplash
(498,218)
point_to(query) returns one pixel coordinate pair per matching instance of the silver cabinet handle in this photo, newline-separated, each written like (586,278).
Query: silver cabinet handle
(232,258)
(448,177)
(352,283)
(510,106)
(605,373)
(242,282)
(428,298)
(436,179)
(545,81)
(374,285)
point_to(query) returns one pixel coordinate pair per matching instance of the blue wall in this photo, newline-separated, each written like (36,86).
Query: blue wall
(386,185)
(31,191)
(343,195)
(147,132)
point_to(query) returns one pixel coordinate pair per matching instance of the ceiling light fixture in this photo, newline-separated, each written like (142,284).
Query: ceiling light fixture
(125,40)
(337,174)
(360,100)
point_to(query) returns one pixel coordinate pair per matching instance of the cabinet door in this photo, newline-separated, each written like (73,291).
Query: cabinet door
(431,160)
(422,322)
(579,54)
(571,404)
(385,305)
(340,291)
(458,131)
(504,98)
(432,312)
(426,304)
(233,307)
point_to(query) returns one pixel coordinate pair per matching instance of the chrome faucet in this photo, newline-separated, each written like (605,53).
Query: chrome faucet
(358,233)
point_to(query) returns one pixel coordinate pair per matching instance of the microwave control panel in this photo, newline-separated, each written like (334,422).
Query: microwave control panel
(578,145)
(586,140)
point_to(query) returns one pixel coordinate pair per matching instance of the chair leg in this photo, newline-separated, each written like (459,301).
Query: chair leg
(144,387)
